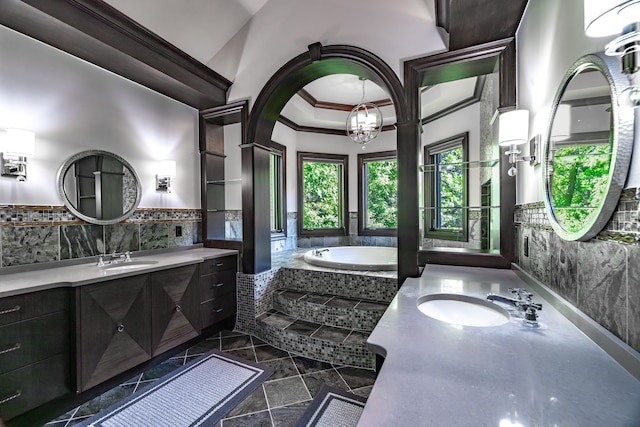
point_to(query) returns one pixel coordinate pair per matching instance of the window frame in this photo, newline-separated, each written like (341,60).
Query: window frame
(431,197)
(340,159)
(281,184)
(362,193)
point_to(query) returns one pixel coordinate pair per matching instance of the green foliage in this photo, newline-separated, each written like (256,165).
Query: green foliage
(382,194)
(451,180)
(322,199)
(580,182)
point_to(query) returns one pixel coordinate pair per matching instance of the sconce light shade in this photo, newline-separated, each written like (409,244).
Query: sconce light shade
(513,128)
(608,17)
(166,171)
(167,168)
(20,142)
(561,128)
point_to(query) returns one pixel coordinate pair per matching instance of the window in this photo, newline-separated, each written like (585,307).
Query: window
(446,189)
(277,205)
(378,194)
(322,194)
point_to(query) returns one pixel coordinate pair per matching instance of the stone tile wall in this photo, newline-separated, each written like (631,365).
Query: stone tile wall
(600,277)
(37,234)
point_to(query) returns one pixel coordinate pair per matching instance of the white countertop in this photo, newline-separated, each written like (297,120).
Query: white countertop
(439,374)
(83,274)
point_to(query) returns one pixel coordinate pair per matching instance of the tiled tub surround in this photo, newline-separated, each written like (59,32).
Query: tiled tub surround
(435,373)
(37,234)
(325,322)
(600,277)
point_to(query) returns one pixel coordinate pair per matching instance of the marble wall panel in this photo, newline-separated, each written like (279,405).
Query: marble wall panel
(154,235)
(633,286)
(602,291)
(540,254)
(122,237)
(29,245)
(79,241)
(185,239)
(564,267)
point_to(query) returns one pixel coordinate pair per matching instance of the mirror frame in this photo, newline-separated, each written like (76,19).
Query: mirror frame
(623,136)
(60,181)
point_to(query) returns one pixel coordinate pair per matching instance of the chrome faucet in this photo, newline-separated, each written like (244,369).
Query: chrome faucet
(523,301)
(318,252)
(115,257)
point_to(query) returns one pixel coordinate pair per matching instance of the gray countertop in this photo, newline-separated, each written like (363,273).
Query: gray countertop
(439,374)
(83,274)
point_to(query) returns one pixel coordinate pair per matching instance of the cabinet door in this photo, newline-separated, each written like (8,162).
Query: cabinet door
(175,313)
(114,328)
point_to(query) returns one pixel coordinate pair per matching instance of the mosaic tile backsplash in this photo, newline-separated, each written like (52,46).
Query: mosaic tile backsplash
(600,277)
(37,234)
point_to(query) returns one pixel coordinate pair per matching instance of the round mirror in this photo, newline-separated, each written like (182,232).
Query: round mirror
(588,148)
(99,187)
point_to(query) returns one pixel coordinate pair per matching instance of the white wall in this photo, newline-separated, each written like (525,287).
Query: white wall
(233,166)
(550,38)
(73,106)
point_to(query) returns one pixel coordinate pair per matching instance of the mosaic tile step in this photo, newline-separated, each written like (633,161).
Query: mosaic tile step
(331,310)
(326,343)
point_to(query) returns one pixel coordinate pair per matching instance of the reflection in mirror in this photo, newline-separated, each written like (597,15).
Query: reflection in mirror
(584,161)
(461,186)
(99,187)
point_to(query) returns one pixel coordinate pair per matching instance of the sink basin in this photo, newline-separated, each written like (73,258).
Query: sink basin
(131,265)
(462,310)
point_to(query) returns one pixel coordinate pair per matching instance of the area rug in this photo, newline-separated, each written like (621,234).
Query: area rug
(199,393)
(332,407)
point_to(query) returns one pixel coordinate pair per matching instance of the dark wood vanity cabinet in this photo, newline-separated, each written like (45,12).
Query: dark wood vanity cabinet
(218,289)
(175,307)
(113,328)
(34,350)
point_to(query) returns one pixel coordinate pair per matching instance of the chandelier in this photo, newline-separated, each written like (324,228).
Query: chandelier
(364,121)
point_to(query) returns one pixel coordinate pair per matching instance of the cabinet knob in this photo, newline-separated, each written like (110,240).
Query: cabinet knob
(120,327)
(178,308)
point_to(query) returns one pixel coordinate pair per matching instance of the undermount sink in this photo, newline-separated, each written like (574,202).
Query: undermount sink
(127,265)
(462,310)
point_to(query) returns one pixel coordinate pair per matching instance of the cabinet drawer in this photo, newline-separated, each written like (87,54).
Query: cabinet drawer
(26,306)
(217,264)
(217,309)
(216,284)
(32,340)
(26,388)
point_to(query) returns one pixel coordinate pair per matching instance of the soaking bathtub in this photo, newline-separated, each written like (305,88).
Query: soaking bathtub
(354,257)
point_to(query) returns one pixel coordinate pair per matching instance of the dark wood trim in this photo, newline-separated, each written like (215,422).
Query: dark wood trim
(458,64)
(326,131)
(282,151)
(462,257)
(362,209)
(311,100)
(341,159)
(321,61)
(94,31)
(477,94)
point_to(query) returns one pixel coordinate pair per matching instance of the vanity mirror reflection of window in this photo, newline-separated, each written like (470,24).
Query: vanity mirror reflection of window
(588,148)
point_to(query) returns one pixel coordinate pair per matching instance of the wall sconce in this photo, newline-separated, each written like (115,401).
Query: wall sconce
(18,145)
(513,130)
(608,17)
(166,171)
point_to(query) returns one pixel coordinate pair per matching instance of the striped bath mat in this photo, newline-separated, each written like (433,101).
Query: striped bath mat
(199,393)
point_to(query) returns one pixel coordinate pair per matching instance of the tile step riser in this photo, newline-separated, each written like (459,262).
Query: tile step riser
(349,318)
(351,354)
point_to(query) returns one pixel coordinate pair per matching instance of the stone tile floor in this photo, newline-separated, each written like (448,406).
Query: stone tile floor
(279,402)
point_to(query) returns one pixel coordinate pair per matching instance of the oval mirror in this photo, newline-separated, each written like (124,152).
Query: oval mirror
(99,187)
(588,148)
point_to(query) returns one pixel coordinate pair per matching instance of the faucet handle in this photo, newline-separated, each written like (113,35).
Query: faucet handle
(100,260)
(127,256)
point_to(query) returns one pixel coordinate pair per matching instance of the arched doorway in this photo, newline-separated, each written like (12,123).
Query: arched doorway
(320,61)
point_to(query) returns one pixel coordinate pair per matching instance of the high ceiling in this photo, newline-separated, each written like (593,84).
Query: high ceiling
(230,36)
